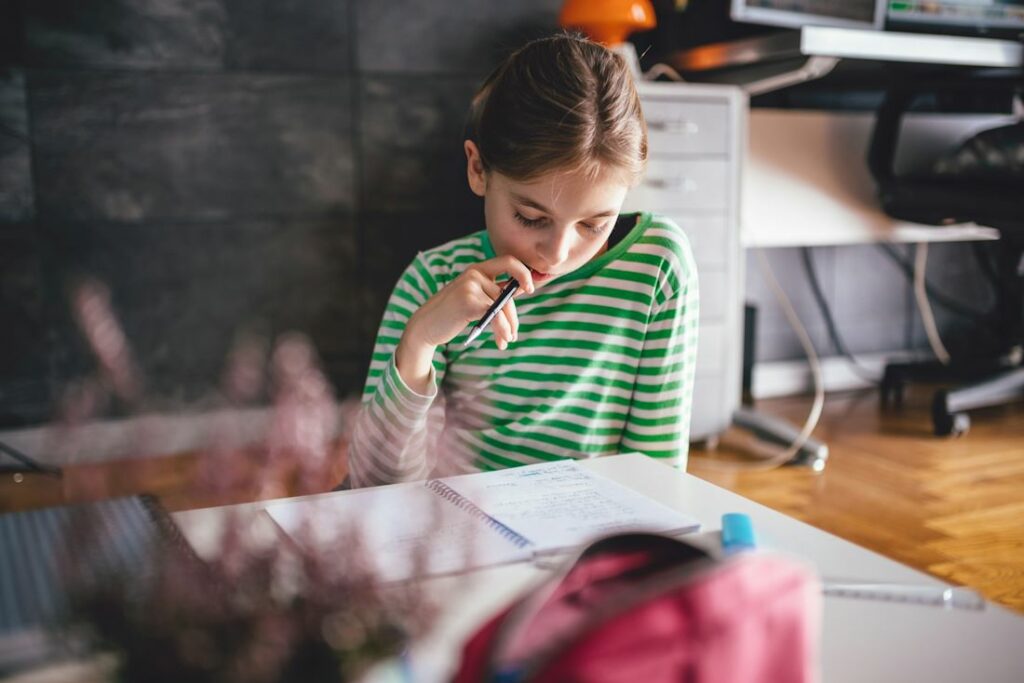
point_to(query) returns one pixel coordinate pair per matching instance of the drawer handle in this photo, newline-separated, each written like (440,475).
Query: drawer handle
(684,184)
(675,126)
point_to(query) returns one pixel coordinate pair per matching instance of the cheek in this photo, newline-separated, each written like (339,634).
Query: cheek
(589,247)
(507,236)
(517,243)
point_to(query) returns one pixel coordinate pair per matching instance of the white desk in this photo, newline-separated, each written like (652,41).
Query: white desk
(862,640)
(806,181)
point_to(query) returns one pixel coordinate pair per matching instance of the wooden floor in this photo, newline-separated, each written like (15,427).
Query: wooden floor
(951,507)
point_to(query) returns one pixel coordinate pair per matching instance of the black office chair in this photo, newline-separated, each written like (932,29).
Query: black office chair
(987,196)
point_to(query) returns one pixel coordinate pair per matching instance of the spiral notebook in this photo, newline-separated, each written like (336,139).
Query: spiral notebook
(475,520)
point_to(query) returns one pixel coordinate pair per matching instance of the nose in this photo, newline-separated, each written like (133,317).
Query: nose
(554,247)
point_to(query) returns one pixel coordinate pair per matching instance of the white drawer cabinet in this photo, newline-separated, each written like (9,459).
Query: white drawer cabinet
(708,237)
(711,356)
(715,288)
(700,128)
(695,142)
(685,184)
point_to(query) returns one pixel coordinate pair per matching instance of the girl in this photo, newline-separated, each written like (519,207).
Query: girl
(596,354)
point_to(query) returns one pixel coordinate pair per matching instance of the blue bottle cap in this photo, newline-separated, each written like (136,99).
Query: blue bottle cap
(737,532)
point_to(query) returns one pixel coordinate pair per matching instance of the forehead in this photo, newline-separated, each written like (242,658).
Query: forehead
(568,192)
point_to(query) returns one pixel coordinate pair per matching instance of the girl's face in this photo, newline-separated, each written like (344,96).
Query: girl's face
(555,223)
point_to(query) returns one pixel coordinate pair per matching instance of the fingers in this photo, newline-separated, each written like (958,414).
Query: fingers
(513,318)
(505,324)
(494,267)
(503,334)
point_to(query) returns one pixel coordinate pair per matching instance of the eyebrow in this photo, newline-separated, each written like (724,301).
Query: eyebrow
(540,207)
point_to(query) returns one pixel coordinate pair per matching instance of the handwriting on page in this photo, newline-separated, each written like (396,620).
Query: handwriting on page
(561,505)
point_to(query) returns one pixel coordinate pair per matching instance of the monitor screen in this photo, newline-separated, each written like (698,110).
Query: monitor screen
(796,13)
(977,17)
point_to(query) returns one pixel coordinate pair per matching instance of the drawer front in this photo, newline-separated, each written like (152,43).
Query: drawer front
(681,127)
(710,414)
(711,349)
(668,184)
(716,294)
(708,239)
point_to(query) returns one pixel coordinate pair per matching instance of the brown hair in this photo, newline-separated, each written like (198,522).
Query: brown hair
(561,102)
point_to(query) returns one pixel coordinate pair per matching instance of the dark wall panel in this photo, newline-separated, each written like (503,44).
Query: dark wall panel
(184,291)
(411,143)
(147,147)
(16,205)
(25,339)
(125,33)
(292,35)
(470,36)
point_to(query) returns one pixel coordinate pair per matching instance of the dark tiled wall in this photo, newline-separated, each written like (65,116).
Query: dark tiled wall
(227,166)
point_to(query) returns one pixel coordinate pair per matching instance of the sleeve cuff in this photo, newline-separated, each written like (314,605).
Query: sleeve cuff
(412,399)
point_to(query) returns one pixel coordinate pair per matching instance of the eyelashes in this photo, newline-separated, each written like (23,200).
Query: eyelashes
(539,222)
(529,222)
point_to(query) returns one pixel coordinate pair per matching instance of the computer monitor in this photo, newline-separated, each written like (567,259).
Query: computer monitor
(868,14)
(995,18)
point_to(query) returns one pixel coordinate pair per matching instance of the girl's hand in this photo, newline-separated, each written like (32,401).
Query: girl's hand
(464,300)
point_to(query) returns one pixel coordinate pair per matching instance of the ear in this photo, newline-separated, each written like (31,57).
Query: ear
(475,169)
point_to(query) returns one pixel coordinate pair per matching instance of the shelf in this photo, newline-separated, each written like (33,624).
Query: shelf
(780,59)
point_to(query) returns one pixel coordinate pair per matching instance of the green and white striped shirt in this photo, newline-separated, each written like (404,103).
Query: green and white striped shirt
(603,364)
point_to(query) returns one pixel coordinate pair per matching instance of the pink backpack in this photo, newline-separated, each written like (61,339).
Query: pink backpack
(651,609)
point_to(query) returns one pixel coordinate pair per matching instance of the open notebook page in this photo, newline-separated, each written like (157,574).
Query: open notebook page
(399,524)
(560,505)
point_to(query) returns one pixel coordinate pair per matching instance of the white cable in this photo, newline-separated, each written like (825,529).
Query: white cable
(924,306)
(662,70)
(776,458)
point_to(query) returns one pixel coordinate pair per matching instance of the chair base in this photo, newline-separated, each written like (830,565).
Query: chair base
(998,384)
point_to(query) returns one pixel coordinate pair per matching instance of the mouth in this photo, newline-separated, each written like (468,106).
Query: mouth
(539,277)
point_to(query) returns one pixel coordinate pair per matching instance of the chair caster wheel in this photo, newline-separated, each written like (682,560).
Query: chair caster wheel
(956,424)
(947,423)
(891,392)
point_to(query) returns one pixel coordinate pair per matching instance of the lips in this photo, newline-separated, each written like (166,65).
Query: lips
(538,276)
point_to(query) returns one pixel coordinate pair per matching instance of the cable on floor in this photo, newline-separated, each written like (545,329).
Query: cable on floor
(924,306)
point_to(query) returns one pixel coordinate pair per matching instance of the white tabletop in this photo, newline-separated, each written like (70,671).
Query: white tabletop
(862,640)
(806,182)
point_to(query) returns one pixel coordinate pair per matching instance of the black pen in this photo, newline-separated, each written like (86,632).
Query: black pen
(510,289)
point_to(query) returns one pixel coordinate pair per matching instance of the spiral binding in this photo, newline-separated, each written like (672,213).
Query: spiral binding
(458,500)
(169,531)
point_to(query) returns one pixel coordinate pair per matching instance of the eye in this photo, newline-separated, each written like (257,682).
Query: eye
(530,222)
(596,228)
